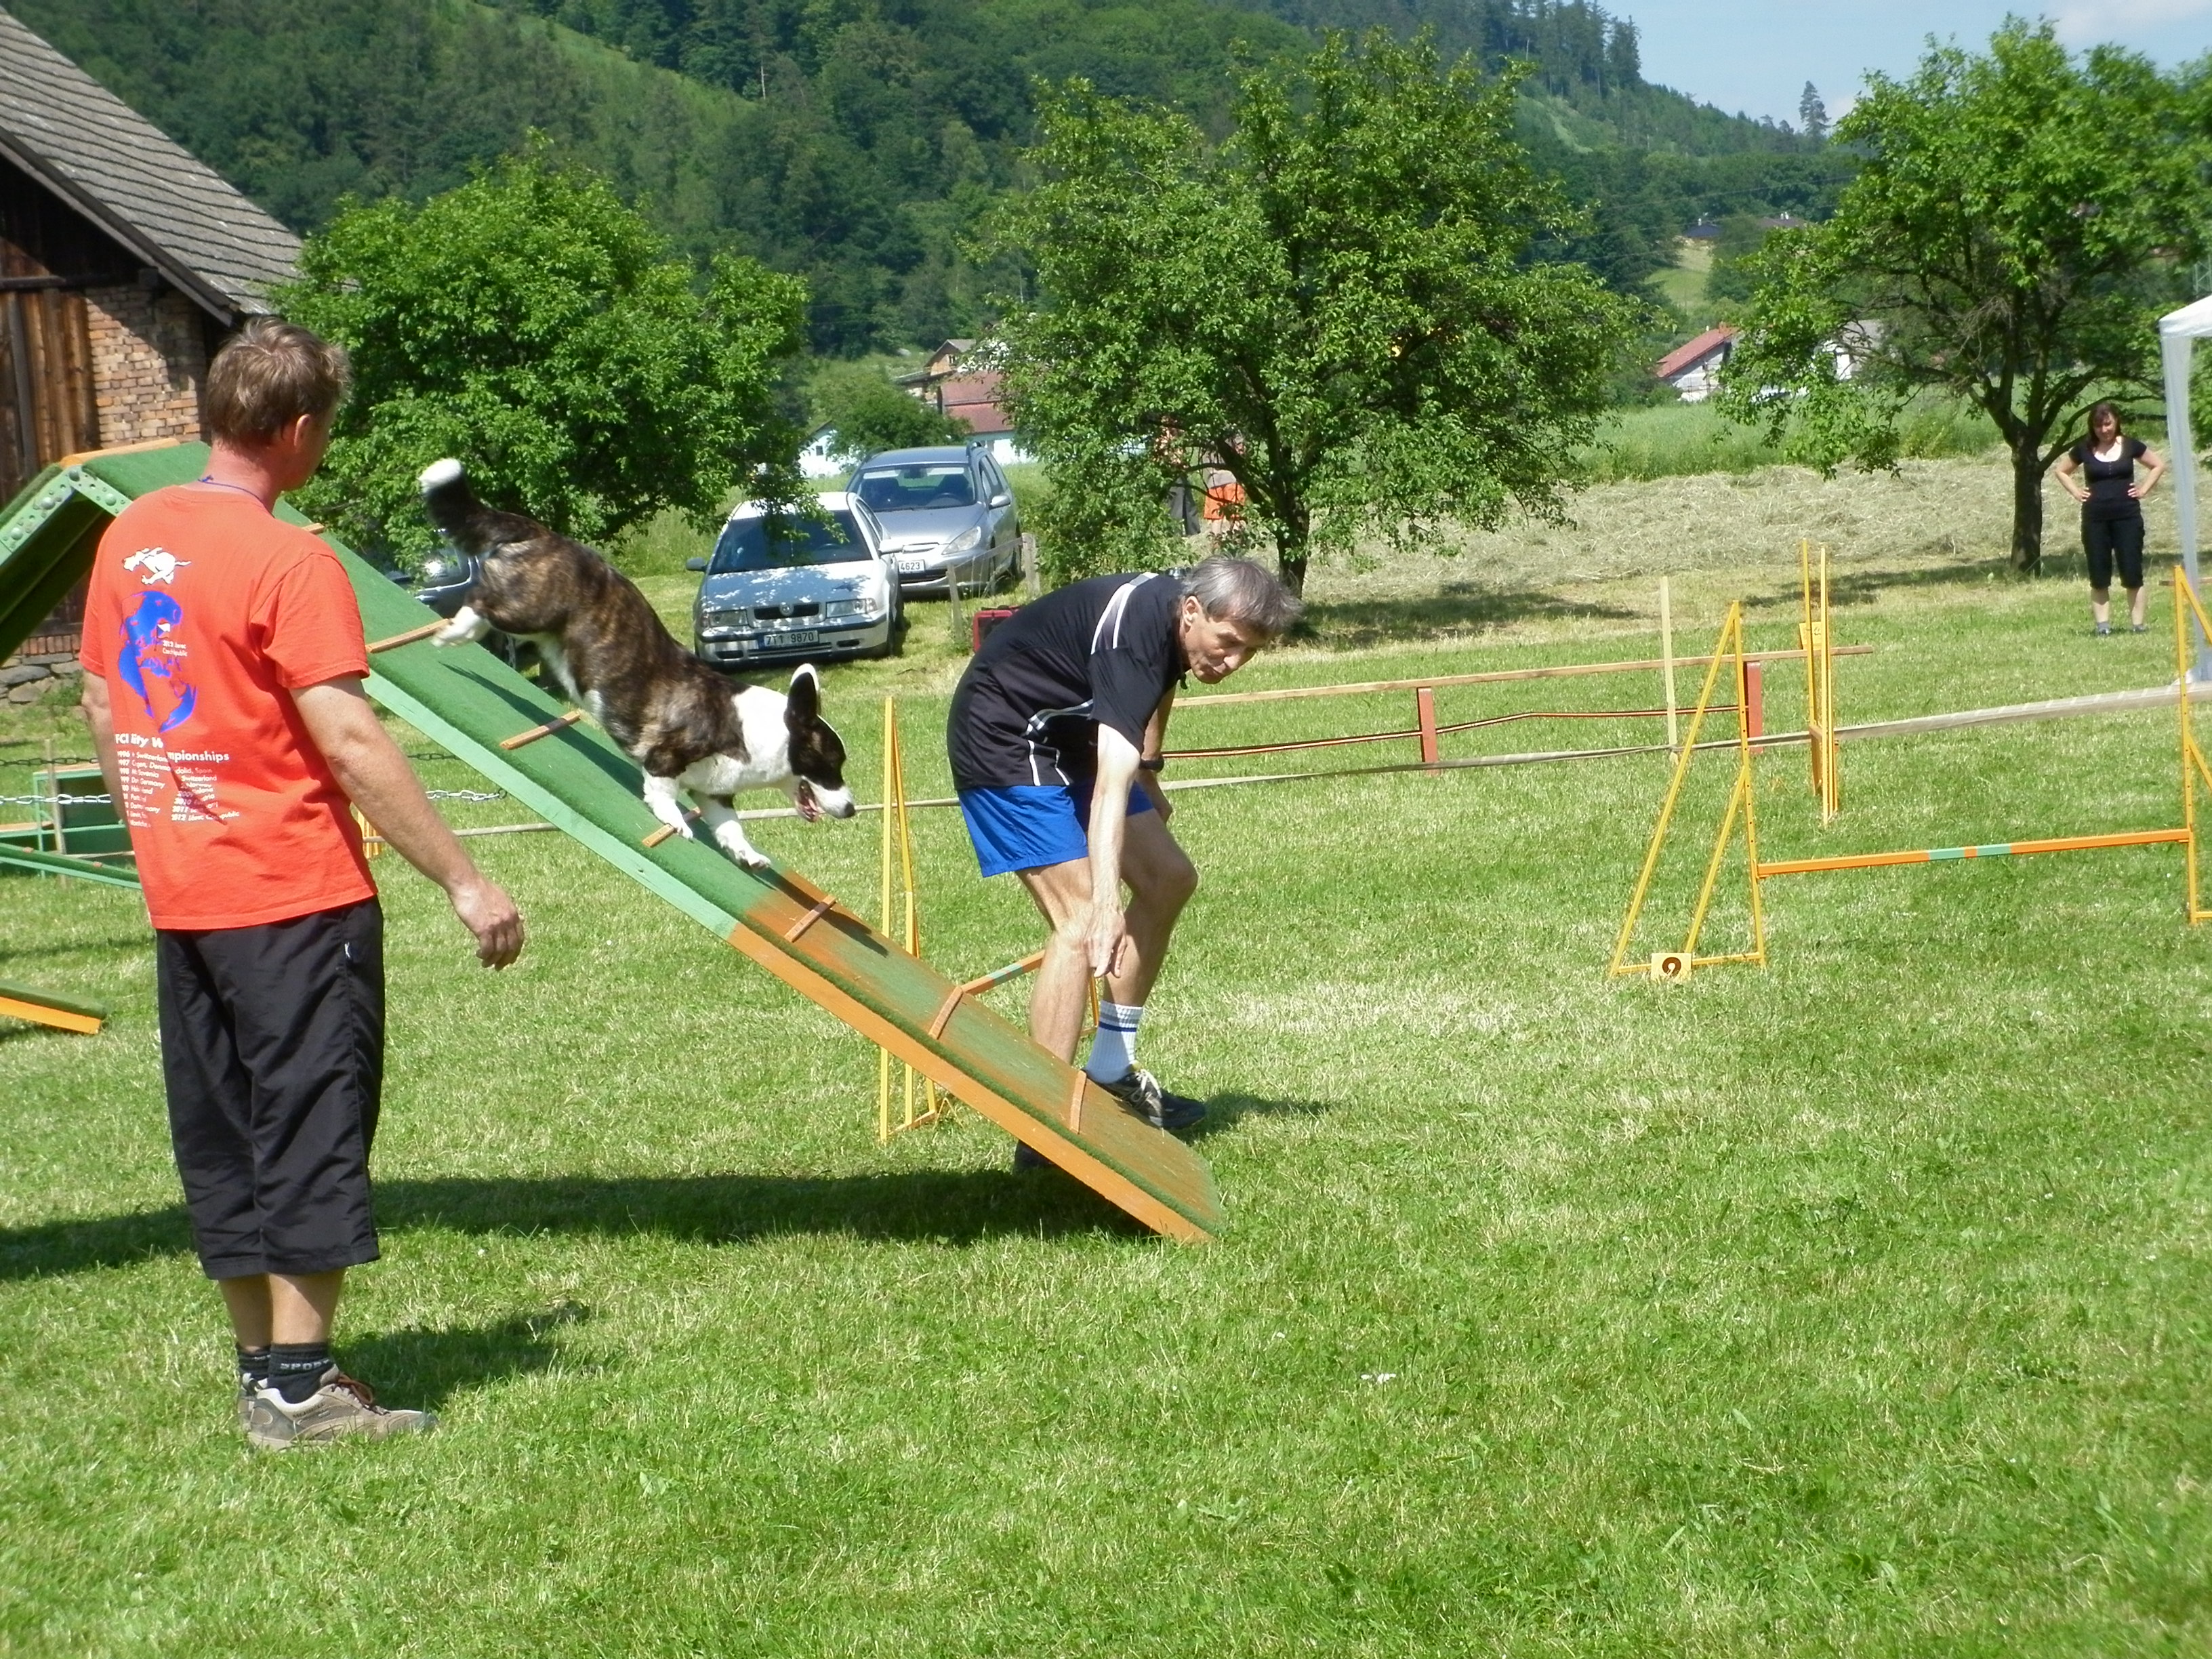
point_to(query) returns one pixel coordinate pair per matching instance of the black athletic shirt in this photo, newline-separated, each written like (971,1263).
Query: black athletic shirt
(1097,653)
(2109,480)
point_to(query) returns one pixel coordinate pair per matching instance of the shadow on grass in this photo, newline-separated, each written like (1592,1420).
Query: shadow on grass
(1865,587)
(1224,1111)
(942,1207)
(424,1369)
(1460,607)
(138,941)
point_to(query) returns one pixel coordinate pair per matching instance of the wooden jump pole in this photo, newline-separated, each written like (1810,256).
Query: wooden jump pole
(997,976)
(556,723)
(408,638)
(1489,677)
(1988,850)
(1666,656)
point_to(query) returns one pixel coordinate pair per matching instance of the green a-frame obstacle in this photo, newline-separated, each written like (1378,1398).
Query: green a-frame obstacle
(469,701)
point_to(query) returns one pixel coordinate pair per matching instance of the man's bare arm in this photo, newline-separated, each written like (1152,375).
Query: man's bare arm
(1156,739)
(377,778)
(1109,816)
(101,717)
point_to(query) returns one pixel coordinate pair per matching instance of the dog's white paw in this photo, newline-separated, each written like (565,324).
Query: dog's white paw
(465,628)
(731,838)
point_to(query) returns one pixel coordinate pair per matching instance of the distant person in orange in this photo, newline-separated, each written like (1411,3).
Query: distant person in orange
(1224,501)
(222,679)
(2112,510)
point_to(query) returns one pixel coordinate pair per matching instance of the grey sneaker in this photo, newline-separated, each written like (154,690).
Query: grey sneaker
(1141,1093)
(340,1408)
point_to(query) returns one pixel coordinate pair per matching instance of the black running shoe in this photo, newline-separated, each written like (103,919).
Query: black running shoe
(1141,1093)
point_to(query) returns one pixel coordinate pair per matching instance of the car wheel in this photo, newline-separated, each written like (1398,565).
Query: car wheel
(894,636)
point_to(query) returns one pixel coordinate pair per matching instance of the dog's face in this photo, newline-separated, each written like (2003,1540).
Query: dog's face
(817,753)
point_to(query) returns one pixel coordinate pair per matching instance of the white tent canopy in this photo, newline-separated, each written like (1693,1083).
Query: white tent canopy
(2177,334)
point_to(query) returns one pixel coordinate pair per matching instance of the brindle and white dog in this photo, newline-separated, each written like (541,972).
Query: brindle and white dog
(675,716)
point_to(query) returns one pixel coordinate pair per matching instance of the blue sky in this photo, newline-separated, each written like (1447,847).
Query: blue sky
(1757,55)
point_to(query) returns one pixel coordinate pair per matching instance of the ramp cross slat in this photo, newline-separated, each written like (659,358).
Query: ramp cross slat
(467,700)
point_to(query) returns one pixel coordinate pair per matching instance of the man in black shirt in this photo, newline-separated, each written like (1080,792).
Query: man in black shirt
(1056,736)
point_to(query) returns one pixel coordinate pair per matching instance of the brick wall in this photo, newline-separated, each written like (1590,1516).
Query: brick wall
(148,358)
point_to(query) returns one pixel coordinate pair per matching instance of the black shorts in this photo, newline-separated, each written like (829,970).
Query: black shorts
(2106,539)
(272,1048)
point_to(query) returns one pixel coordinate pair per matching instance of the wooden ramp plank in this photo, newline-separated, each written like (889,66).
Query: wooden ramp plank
(47,1008)
(467,699)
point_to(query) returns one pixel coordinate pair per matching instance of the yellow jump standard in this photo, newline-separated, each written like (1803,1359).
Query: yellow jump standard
(1675,965)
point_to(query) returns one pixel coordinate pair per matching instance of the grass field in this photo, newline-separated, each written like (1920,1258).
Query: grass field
(1861,1306)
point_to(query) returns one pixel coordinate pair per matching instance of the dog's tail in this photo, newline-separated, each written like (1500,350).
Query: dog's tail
(454,508)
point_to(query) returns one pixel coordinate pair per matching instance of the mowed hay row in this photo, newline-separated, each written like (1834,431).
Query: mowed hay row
(1721,536)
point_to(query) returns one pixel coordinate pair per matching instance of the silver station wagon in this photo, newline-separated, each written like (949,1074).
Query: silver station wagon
(947,513)
(790,586)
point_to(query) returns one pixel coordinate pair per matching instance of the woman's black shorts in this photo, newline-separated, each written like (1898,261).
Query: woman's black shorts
(272,1047)
(2106,539)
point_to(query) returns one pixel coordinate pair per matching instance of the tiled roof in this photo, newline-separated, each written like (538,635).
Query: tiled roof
(1683,356)
(124,174)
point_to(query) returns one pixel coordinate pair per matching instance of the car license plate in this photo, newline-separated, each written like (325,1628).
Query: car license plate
(913,563)
(797,636)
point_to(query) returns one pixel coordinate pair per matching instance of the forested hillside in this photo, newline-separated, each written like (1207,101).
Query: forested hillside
(852,141)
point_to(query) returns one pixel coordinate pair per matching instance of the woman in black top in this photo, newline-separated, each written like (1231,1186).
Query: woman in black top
(2112,509)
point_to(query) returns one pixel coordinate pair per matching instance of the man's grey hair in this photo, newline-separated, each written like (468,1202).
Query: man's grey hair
(1241,591)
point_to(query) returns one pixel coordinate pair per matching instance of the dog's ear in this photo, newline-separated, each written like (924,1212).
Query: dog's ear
(804,707)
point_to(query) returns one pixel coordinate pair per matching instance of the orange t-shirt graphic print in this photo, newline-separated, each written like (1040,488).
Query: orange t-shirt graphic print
(205,615)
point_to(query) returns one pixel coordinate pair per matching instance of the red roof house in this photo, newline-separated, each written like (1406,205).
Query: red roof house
(1693,369)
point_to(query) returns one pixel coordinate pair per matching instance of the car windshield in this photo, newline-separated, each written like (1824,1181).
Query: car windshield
(779,541)
(908,488)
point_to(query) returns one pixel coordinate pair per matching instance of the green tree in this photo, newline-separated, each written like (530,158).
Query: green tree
(868,413)
(1333,305)
(1813,114)
(531,325)
(2020,220)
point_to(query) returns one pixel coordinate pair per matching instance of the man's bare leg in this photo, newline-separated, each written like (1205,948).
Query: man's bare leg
(267,1308)
(1061,893)
(1161,879)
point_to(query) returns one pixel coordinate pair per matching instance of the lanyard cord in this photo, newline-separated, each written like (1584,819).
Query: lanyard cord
(220,484)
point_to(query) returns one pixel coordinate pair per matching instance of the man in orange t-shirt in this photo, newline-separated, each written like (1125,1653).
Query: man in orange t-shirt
(222,668)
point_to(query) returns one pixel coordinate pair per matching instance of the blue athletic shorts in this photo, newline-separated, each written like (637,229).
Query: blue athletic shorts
(1028,826)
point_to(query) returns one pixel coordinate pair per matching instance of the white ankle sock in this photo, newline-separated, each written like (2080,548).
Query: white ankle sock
(1114,1049)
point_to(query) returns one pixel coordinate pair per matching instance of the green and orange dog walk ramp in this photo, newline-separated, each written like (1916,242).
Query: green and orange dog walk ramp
(472,704)
(49,1008)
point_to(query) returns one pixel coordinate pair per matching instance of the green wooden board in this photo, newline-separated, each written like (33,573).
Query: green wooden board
(61,864)
(52,1000)
(467,699)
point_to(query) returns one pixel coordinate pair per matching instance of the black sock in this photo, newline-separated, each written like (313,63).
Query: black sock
(252,1366)
(296,1369)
